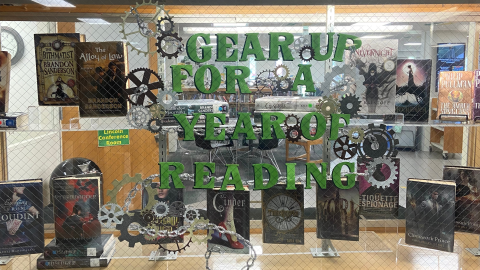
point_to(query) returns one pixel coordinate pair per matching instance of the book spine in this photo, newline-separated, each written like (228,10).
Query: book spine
(476,95)
(62,252)
(72,263)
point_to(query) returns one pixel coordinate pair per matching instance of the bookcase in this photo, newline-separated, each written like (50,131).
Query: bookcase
(447,139)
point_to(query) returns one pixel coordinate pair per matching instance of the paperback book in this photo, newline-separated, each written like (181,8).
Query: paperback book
(79,262)
(5,67)
(430,214)
(93,248)
(455,94)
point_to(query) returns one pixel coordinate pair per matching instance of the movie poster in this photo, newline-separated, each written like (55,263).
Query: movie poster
(413,89)
(5,66)
(450,57)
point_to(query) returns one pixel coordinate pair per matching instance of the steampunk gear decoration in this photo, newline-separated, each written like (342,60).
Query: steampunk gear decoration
(278,70)
(190,215)
(123,228)
(177,209)
(265,80)
(356,134)
(163,28)
(294,133)
(308,51)
(328,106)
(117,185)
(145,81)
(201,222)
(154,125)
(171,38)
(297,120)
(167,99)
(179,249)
(343,80)
(110,214)
(343,148)
(157,111)
(301,42)
(374,168)
(161,209)
(350,104)
(284,85)
(378,142)
(138,117)
(148,215)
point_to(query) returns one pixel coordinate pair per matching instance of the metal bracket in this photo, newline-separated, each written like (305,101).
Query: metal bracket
(326,251)
(475,251)
(162,255)
(5,260)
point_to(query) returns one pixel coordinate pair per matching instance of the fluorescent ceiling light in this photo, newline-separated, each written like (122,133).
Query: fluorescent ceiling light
(93,20)
(372,37)
(53,3)
(412,44)
(370,24)
(229,24)
(299,29)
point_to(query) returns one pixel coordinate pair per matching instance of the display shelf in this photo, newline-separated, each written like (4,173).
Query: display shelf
(389,225)
(435,259)
(439,128)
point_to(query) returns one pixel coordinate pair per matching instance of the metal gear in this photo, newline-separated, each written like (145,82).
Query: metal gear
(148,215)
(328,106)
(157,111)
(161,99)
(161,209)
(159,25)
(301,42)
(294,133)
(297,119)
(284,85)
(179,249)
(343,149)
(343,80)
(151,234)
(192,228)
(123,228)
(177,209)
(154,125)
(277,69)
(138,117)
(312,53)
(110,213)
(190,215)
(356,134)
(143,87)
(377,142)
(117,185)
(265,80)
(174,37)
(373,168)
(350,104)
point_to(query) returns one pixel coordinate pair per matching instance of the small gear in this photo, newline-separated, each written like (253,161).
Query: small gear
(160,209)
(177,209)
(342,148)
(168,31)
(110,213)
(179,249)
(356,134)
(265,80)
(297,123)
(350,104)
(343,80)
(151,233)
(168,38)
(284,85)
(378,142)
(138,117)
(117,185)
(203,223)
(157,111)
(373,167)
(123,228)
(301,42)
(312,53)
(328,106)
(154,125)
(148,215)
(145,81)
(162,99)
(294,133)
(190,215)
(278,69)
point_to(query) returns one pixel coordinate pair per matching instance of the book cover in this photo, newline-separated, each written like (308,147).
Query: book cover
(56,69)
(231,210)
(21,224)
(337,212)
(101,78)
(455,93)
(430,214)
(376,60)
(81,262)
(76,203)
(379,196)
(413,89)
(93,248)
(450,57)
(467,197)
(5,67)
(282,215)
(476,95)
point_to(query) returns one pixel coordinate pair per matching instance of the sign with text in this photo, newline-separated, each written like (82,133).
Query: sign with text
(113,137)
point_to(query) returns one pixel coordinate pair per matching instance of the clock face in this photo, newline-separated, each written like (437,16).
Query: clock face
(389,65)
(9,43)
(12,42)
(283,212)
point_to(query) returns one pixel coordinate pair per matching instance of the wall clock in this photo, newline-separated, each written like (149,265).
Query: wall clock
(12,42)
(284,212)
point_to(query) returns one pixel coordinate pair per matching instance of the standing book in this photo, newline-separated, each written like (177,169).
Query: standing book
(476,95)
(56,69)
(229,209)
(93,249)
(5,67)
(101,78)
(282,215)
(430,214)
(467,197)
(455,94)
(21,224)
(76,203)
(337,212)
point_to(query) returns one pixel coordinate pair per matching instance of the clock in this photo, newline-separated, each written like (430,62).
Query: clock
(12,42)
(389,65)
(284,213)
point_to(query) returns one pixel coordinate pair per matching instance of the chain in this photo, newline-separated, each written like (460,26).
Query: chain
(141,23)
(133,192)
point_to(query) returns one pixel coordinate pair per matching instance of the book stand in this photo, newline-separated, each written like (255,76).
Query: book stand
(475,251)
(161,255)
(326,251)
(426,257)
(5,260)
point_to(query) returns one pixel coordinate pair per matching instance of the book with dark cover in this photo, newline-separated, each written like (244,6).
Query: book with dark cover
(282,215)
(380,201)
(76,203)
(413,89)
(21,223)
(80,262)
(93,248)
(5,67)
(476,95)
(231,210)
(467,197)
(455,93)
(337,212)
(430,214)
(101,78)
(56,69)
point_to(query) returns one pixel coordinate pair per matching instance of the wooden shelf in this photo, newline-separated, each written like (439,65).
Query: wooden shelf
(452,136)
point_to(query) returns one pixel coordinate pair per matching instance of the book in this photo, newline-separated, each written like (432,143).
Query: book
(93,248)
(337,212)
(56,69)
(101,78)
(455,93)
(413,89)
(203,106)
(5,67)
(380,202)
(231,210)
(13,121)
(282,215)
(76,203)
(476,96)
(467,197)
(21,224)
(430,214)
(76,262)
(279,103)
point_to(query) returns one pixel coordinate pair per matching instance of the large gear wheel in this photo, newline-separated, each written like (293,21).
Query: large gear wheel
(328,106)
(377,142)
(141,94)
(343,80)
(123,228)
(350,104)
(161,209)
(138,117)
(117,185)
(192,228)
(178,249)
(162,99)
(165,31)
(190,215)
(297,120)
(343,149)
(373,167)
(356,134)
(294,133)
(177,209)
(157,111)
(110,214)
(305,49)
(278,69)
(168,38)
(265,80)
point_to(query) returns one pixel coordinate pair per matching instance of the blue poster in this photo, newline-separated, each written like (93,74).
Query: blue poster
(450,57)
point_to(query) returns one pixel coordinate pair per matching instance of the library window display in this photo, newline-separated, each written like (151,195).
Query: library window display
(168,135)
